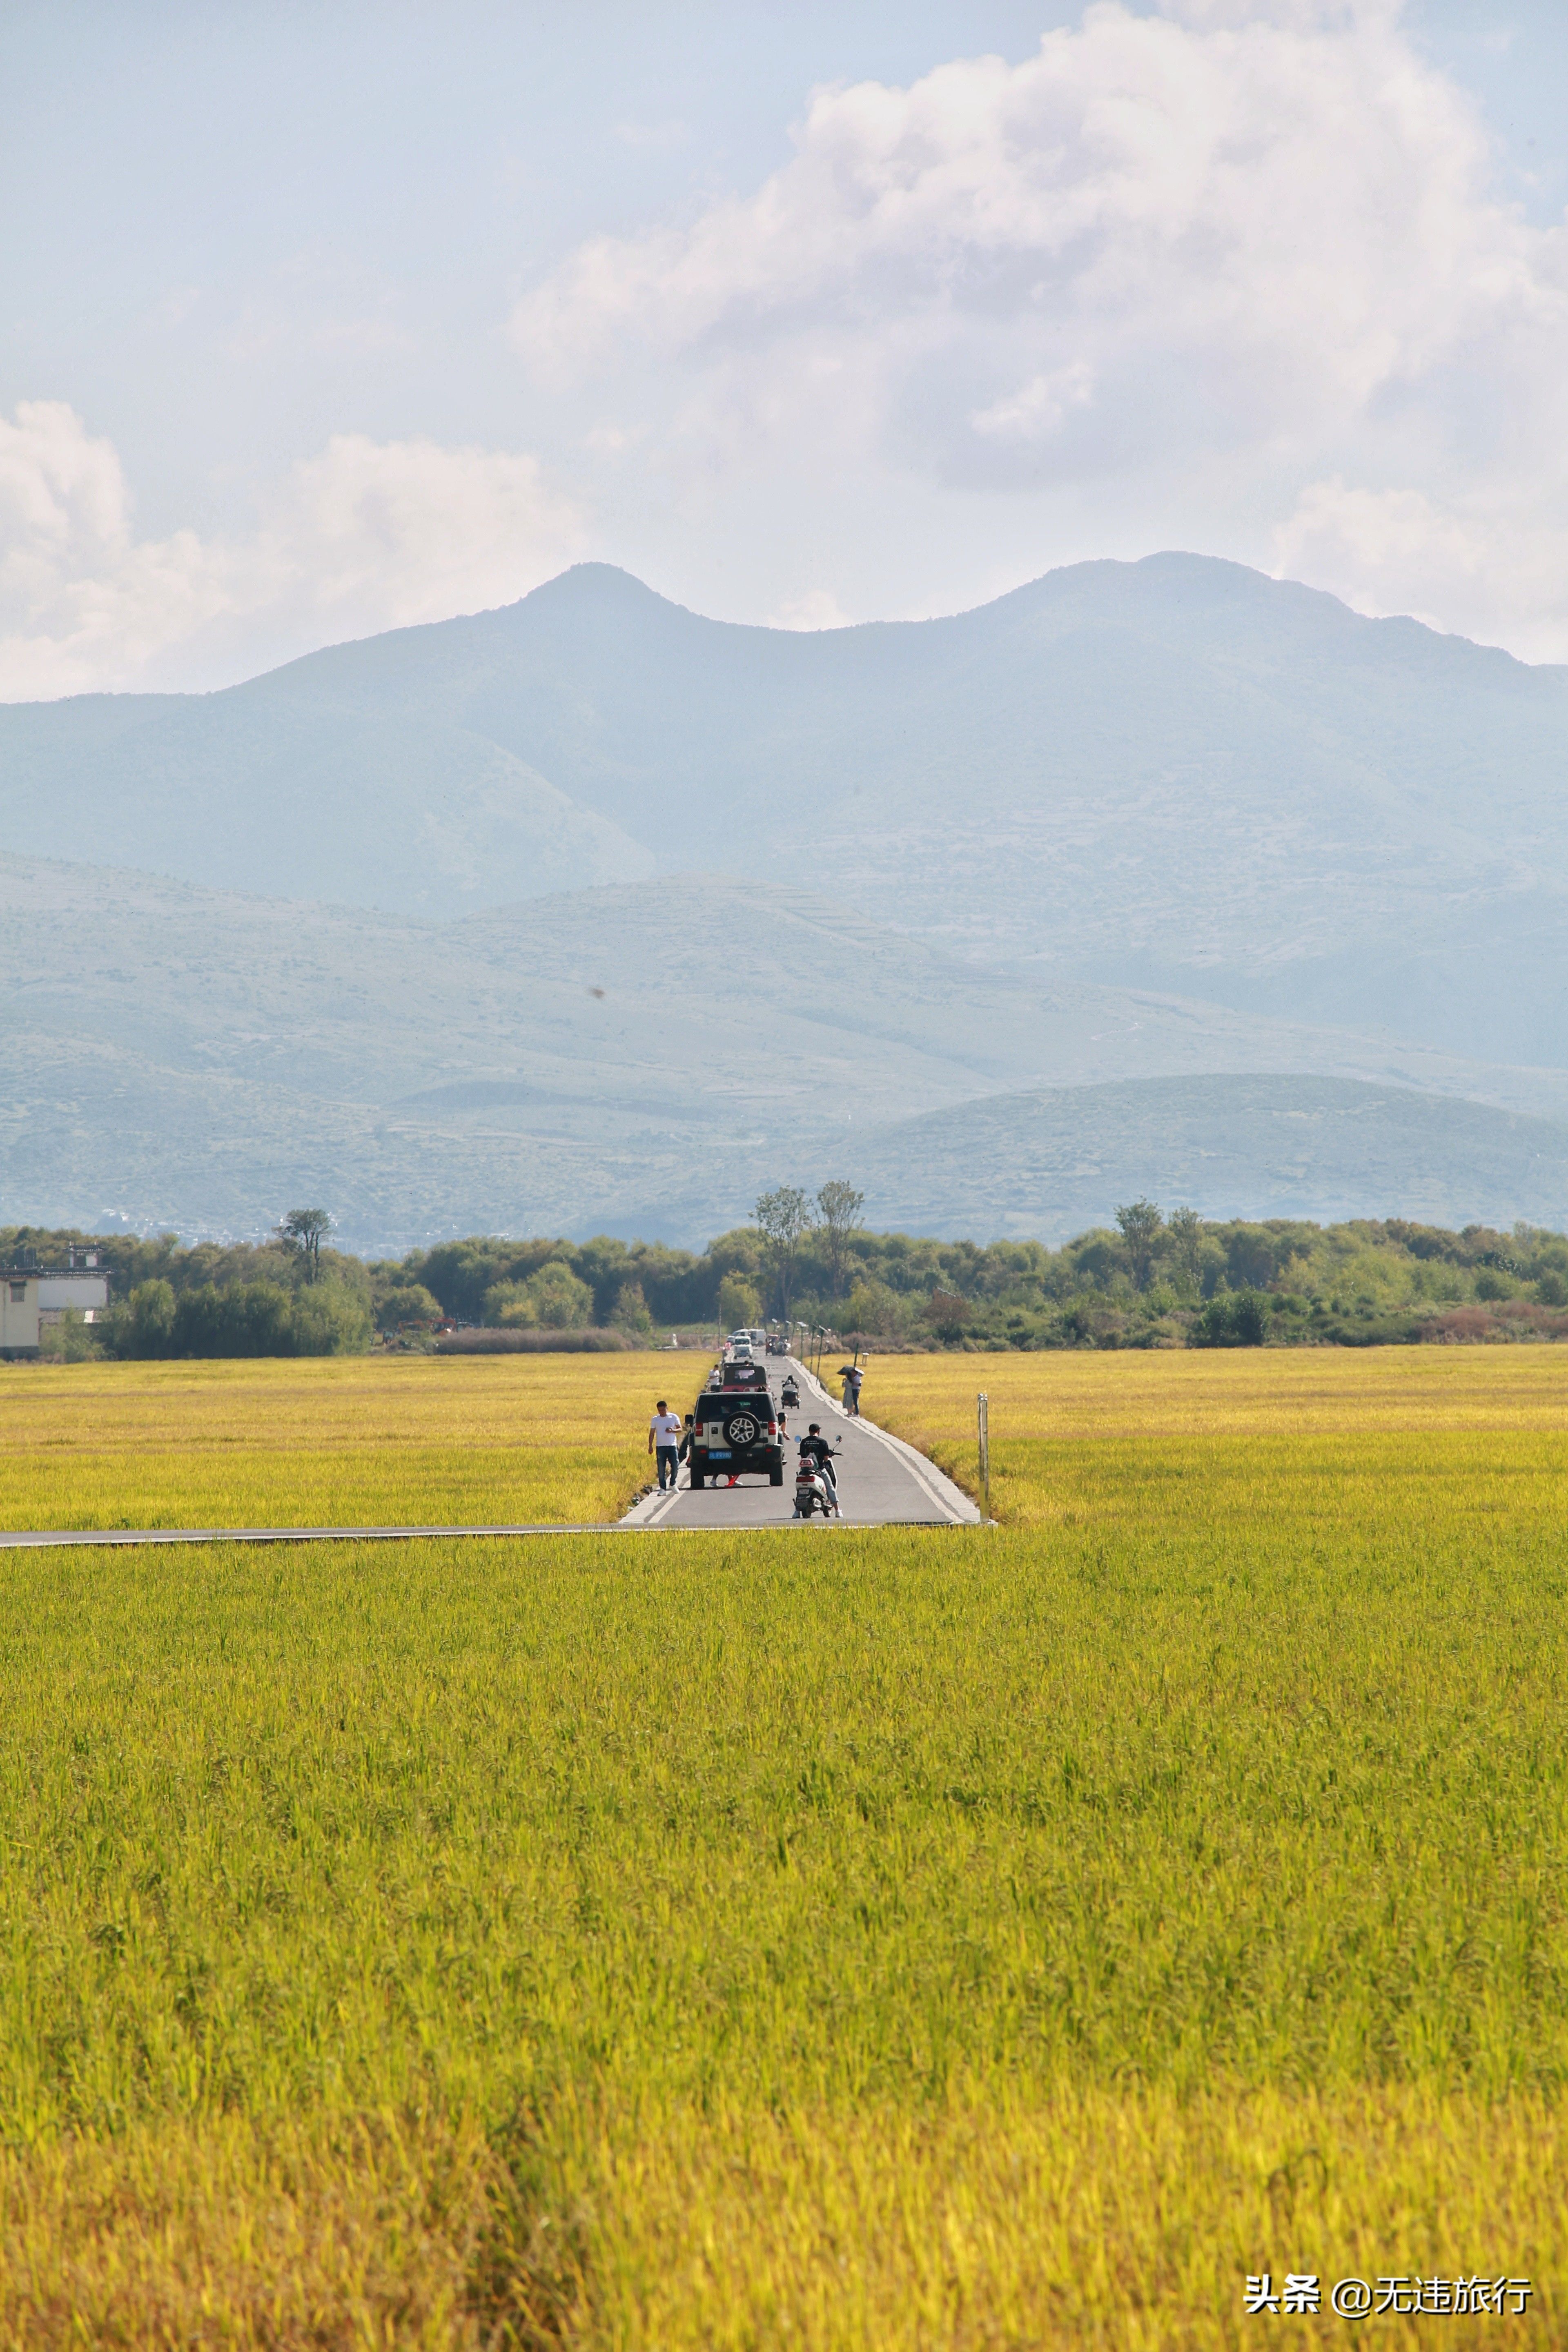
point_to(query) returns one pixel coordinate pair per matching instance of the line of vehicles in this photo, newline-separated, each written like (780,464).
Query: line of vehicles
(737,1429)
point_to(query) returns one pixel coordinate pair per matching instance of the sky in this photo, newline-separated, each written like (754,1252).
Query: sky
(319,320)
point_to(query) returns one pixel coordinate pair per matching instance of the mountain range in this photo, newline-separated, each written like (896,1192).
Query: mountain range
(595,911)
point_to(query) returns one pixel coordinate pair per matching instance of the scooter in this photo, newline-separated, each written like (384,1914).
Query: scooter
(789,1395)
(813,1492)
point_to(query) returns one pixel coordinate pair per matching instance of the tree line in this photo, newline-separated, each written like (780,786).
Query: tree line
(1151,1279)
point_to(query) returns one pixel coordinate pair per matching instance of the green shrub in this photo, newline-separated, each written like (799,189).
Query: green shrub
(872,1307)
(1235,1319)
(145,1326)
(243,1318)
(631,1313)
(550,1300)
(408,1304)
(68,1341)
(328,1319)
(740,1305)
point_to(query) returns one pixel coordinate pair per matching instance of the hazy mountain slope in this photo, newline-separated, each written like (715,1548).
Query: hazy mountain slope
(380,808)
(1050,1165)
(1174,774)
(173,1054)
(44,739)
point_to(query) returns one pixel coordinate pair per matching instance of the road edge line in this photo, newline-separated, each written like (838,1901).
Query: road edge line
(960,1508)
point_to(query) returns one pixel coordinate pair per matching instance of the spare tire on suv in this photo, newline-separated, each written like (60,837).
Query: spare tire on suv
(742,1429)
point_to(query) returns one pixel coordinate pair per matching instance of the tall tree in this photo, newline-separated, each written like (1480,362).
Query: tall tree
(784,1218)
(1186,1228)
(840,1205)
(304,1229)
(1141,1227)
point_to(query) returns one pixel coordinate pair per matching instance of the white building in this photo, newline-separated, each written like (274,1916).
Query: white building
(18,1313)
(32,1297)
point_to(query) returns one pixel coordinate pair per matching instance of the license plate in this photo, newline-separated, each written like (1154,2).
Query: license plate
(718,1453)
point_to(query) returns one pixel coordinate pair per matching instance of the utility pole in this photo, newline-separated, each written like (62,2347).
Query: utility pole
(983,1404)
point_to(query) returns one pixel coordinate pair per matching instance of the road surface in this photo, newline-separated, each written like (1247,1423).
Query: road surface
(881,1481)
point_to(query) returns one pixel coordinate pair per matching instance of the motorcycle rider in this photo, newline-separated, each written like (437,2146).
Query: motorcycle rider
(815,1449)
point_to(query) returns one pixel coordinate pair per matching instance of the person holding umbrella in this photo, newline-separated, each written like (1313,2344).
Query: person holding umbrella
(852,1377)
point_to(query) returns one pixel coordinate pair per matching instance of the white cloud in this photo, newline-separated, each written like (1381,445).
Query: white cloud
(83,602)
(1239,249)
(1234,275)
(1492,562)
(1304,199)
(407,530)
(366,535)
(1036,411)
(818,609)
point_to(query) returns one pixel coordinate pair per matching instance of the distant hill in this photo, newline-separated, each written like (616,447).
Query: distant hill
(640,1059)
(1173,775)
(1047,1165)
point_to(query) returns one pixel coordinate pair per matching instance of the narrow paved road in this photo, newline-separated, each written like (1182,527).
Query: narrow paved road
(881,1481)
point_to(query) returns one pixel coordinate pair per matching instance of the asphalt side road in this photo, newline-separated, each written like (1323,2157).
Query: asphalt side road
(882,1482)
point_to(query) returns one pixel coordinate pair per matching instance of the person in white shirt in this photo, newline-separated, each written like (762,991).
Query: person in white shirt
(664,1439)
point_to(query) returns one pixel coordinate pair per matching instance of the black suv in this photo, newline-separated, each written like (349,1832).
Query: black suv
(736,1429)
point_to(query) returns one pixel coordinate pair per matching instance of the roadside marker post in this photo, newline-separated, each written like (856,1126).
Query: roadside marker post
(983,1414)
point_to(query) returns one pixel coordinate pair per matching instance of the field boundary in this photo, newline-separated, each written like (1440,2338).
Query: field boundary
(41,1538)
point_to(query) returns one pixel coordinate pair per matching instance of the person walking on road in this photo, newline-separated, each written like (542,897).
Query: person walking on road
(853,1376)
(664,1438)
